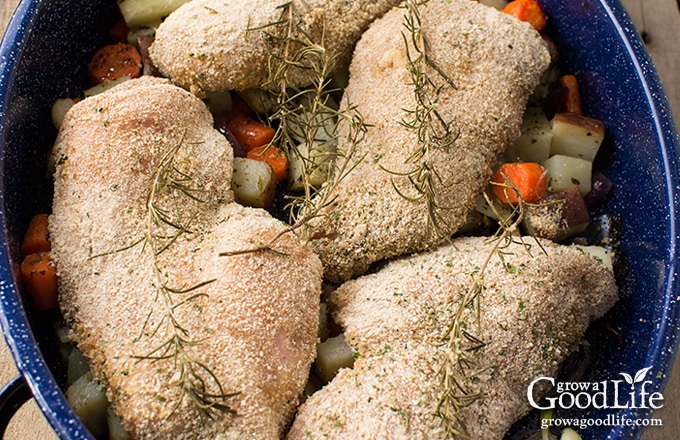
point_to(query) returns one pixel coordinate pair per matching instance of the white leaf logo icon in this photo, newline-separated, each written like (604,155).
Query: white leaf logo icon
(628,378)
(640,375)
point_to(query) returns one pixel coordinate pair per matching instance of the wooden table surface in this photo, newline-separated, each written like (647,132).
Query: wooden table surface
(658,20)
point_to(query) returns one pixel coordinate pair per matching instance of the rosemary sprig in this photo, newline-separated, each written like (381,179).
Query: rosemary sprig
(307,116)
(164,226)
(462,338)
(433,131)
(459,367)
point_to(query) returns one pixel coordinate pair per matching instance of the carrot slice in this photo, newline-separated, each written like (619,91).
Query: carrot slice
(119,32)
(40,280)
(525,180)
(570,96)
(274,157)
(113,62)
(250,133)
(36,238)
(529,11)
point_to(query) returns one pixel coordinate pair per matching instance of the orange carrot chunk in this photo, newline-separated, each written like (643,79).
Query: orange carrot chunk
(113,62)
(274,157)
(525,180)
(36,238)
(40,280)
(570,96)
(529,11)
(250,133)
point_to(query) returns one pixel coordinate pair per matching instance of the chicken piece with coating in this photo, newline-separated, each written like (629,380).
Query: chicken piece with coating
(531,311)
(188,343)
(213,45)
(430,147)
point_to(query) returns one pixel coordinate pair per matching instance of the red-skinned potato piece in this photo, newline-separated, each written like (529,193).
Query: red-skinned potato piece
(558,216)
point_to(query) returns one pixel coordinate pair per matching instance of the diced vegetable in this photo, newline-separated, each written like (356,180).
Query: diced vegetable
(529,11)
(77,366)
(235,144)
(253,182)
(497,4)
(106,85)
(546,414)
(144,42)
(565,171)
(332,355)
(601,188)
(315,164)
(317,125)
(570,96)
(113,62)
(576,136)
(533,145)
(275,157)
(570,434)
(602,255)
(219,102)
(494,211)
(59,110)
(558,216)
(36,238)
(116,429)
(238,108)
(119,32)
(40,280)
(142,12)
(525,180)
(88,400)
(258,100)
(136,33)
(250,133)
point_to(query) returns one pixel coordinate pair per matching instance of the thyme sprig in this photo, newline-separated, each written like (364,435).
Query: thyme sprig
(433,131)
(164,225)
(307,116)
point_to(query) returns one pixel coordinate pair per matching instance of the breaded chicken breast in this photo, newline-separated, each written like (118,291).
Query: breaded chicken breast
(214,45)
(414,189)
(142,209)
(533,310)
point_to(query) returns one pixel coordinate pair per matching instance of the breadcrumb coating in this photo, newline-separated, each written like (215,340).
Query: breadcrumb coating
(534,309)
(213,45)
(253,324)
(495,61)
